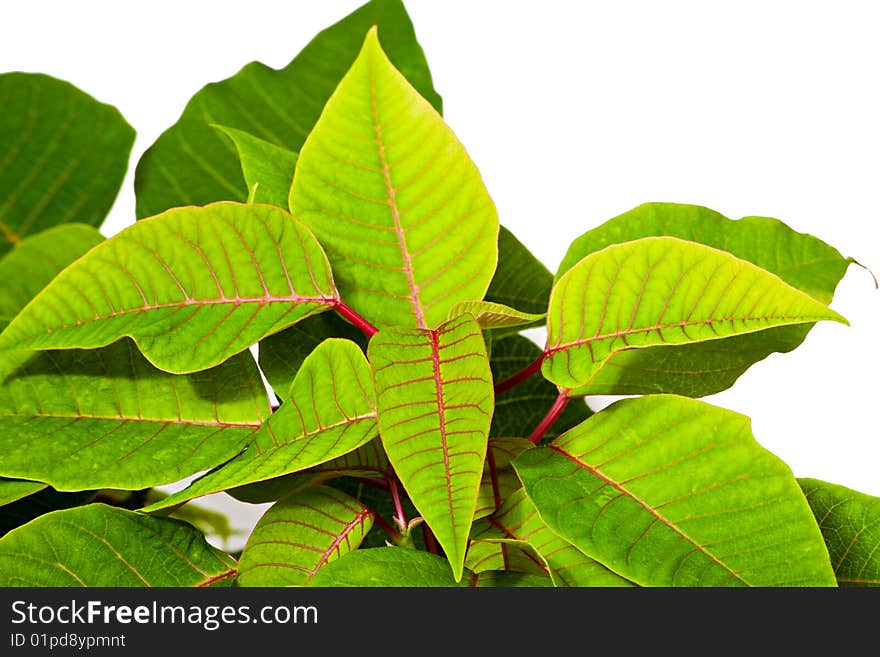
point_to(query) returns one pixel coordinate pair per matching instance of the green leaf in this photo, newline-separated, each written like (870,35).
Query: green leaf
(850,523)
(497,578)
(192,164)
(300,535)
(282,354)
(435,397)
(669,491)
(106,418)
(702,369)
(394,198)
(33,262)
(520,409)
(367,461)
(84,419)
(267,168)
(491,315)
(495,490)
(63,156)
(16,489)
(99,545)
(521,280)
(33,506)
(518,519)
(661,291)
(491,550)
(331,410)
(192,287)
(387,567)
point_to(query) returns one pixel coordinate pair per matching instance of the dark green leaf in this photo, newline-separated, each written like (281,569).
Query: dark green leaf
(63,156)
(519,410)
(702,369)
(192,164)
(850,524)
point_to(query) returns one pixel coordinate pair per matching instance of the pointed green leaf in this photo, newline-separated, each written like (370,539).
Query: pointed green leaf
(33,506)
(661,291)
(331,410)
(519,410)
(106,417)
(518,519)
(192,164)
(28,268)
(850,524)
(702,369)
(494,490)
(367,461)
(267,168)
(521,280)
(387,567)
(282,354)
(63,156)
(435,397)
(16,489)
(491,315)
(99,545)
(669,491)
(192,286)
(394,198)
(301,534)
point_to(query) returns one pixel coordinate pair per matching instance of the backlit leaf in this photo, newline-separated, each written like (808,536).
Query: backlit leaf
(15,489)
(300,534)
(63,156)
(330,410)
(387,567)
(367,461)
(105,417)
(99,545)
(695,370)
(192,164)
(518,519)
(668,491)
(394,199)
(661,291)
(267,168)
(434,390)
(491,315)
(850,523)
(192,286)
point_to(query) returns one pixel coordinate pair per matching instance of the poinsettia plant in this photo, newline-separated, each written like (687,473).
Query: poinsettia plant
(406,431)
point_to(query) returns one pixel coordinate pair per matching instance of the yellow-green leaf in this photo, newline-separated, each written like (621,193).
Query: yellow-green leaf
(394,199)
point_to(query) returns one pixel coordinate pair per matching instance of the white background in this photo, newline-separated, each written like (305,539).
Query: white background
(576,112)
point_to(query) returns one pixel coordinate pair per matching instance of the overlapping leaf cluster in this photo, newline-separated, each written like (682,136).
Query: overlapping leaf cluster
(410,434)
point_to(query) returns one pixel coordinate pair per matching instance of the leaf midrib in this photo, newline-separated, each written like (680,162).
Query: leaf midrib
(647,507)
(562,346)
(392,204)
(119,418)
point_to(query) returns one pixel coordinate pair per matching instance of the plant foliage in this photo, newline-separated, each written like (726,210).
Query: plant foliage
(319,309)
